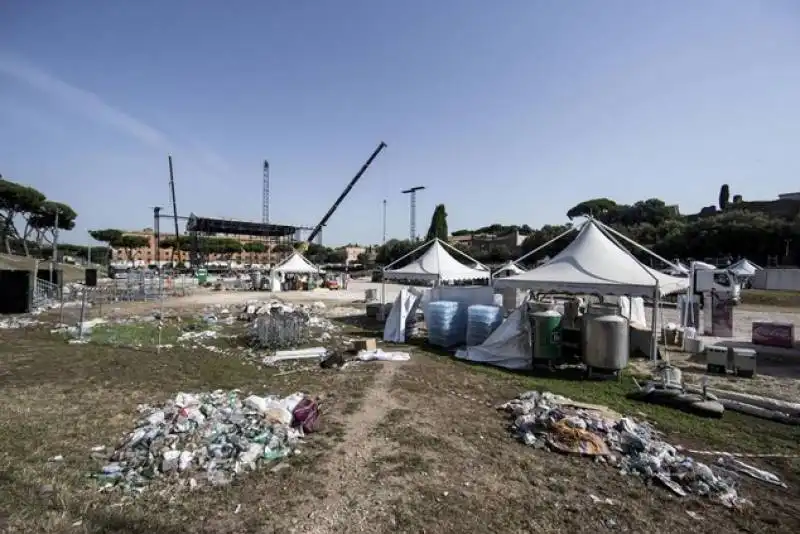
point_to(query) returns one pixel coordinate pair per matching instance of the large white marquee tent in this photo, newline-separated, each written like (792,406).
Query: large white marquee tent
(594,263)
(296,264)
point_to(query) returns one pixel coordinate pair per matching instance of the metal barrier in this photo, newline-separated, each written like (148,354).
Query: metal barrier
(44,292)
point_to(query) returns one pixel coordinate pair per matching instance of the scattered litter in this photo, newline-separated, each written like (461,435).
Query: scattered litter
(546,420)
(751,471)
(208,437)
(278,325)
(57,458)
(12,323)
(380,355)
(598,500)
(298,354)
(694,515)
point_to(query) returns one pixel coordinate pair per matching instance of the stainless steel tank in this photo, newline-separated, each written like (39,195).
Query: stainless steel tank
(606,342)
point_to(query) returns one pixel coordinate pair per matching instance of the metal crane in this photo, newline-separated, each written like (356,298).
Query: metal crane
(347,189)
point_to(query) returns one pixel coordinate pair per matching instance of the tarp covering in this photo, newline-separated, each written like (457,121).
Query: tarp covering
(435,264)
(297,264)
(509,269)
(508,347)
(744,267)
(404,305)
(593,263)
(679,269)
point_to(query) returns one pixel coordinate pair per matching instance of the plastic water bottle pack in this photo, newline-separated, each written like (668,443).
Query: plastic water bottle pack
(481,322)
(447,323)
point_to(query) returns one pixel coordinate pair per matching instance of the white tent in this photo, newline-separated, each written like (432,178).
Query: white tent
(296,264)
(593,263)
(702,266)
(436,264)
(678,270)
(509,269)
(744,268)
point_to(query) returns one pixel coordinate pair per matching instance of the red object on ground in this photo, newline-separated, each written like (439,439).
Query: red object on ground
(773,334)
(306,415)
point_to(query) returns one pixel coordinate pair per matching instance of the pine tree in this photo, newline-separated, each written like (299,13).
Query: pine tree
(438,227)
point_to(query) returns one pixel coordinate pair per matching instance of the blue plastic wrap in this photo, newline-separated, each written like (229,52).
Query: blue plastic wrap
(481,322)
(447,323)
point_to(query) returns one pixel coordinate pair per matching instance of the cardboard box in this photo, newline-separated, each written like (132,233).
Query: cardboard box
(366,344)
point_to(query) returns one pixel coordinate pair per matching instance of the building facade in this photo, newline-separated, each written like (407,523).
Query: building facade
(151,255)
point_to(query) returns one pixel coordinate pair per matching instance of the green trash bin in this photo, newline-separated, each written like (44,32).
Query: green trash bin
(202,276)
(546,340)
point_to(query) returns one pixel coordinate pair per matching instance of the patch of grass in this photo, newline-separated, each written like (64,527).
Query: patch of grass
(134,334)
(63,399)
(734,432)
(760,297)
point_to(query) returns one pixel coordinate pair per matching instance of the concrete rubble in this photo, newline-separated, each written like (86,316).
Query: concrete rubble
(205,438)
(546,420)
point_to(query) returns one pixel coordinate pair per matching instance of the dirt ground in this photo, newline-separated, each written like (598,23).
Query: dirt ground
(413,446)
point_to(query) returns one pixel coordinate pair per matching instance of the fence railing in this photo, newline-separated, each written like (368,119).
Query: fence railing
(44,292)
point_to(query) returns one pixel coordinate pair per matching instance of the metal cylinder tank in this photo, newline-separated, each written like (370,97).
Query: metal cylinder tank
(544,333)
(606,342)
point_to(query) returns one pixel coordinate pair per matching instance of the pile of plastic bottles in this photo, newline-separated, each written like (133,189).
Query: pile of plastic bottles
(447,323)
(481,322)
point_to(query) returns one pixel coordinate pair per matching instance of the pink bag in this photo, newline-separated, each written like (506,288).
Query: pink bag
(306,415)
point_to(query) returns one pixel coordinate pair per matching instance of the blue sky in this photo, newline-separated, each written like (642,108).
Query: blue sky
(507,112)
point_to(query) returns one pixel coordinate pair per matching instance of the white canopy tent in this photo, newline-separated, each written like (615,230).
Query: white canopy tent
(509,269)
(594,263)
(437,265)
(679,270)
(702,266)
(744,268)
(296,264)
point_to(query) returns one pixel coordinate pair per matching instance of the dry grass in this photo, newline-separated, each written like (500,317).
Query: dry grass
(781,299)
(411,447)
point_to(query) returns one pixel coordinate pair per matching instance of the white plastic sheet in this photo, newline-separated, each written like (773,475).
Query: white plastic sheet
(633,310)
(508,347)
(379,355)
(406,303)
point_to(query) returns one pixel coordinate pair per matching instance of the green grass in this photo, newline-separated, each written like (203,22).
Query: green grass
(134,334)
(761,297)
(734,432)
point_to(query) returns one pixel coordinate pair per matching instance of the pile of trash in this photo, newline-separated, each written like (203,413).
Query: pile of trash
(208,438)
(546,420)
(277,325)
(12,323)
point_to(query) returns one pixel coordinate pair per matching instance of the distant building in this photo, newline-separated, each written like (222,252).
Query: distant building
(789,196)
(149,255)
(485,242)
(353,252)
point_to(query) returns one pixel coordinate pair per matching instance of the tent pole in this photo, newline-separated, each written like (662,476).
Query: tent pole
(635,244)
(451,247)
(537,249)
(401,258)
(654,336)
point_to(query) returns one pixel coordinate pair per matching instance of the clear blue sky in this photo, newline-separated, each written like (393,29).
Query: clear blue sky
(508,111)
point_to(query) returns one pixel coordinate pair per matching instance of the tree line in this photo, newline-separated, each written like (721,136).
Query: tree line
(29,220)
(729,229)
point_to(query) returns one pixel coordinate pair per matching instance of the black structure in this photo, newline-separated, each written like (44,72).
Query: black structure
(58,276)
(205,225)
(16,291)
(91,278)
(198,227)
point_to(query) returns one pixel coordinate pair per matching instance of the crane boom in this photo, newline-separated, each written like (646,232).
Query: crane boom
(347,189)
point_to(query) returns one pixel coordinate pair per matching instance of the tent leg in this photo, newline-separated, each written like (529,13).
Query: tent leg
(654,342)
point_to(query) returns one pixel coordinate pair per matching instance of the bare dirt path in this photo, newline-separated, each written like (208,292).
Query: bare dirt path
(346,481)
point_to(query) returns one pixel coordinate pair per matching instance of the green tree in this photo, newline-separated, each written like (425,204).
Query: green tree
(724,196)
(110,236)
(438,227)
(43,222)
(16,200)
(596,207)
(337,256)
(254,247)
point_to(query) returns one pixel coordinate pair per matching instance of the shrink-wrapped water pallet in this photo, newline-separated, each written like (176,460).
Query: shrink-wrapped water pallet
(447,323)
(481,322)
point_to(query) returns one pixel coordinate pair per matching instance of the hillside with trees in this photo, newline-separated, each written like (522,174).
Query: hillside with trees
(764,232)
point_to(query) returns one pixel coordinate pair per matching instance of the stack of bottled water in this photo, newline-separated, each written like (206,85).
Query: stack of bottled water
(481,322)
(447,323)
